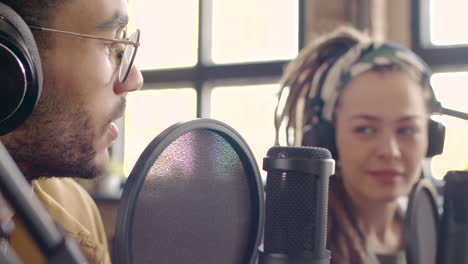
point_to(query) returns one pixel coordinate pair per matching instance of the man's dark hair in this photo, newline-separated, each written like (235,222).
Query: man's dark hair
(35,12)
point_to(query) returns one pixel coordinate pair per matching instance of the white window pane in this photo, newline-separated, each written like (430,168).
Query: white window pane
(451,90)
(448,22)
(169,32)
(455,156)
(148,113)
(254,30)
(249,110)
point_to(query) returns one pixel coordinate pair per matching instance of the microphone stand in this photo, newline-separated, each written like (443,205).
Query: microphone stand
(48,236)
(7,254)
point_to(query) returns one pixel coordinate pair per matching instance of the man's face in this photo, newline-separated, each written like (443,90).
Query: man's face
(71,127)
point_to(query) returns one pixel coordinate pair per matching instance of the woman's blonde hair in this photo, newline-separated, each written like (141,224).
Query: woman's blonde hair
(298,78)
(323,64)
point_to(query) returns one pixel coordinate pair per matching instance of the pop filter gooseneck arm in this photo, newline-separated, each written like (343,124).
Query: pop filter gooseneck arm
(450,112)
(17,191)
(454,113)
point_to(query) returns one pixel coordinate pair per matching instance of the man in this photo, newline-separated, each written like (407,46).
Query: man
(70,129)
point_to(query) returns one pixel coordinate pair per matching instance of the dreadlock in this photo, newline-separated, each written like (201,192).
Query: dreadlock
(300,79)
(301,76)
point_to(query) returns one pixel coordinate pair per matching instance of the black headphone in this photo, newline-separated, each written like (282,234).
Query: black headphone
(20,70)
(321,133)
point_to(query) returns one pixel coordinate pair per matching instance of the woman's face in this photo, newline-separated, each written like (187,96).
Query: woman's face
(381,135)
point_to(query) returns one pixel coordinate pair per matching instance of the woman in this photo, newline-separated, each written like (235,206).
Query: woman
(369,103)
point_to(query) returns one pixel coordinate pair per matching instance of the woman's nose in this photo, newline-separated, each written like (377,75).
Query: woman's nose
(133,82)
(389,148)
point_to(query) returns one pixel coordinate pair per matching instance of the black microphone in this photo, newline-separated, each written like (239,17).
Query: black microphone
(296,205)
(453,242)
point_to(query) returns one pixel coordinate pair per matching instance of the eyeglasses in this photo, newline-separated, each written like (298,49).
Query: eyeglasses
(127,56)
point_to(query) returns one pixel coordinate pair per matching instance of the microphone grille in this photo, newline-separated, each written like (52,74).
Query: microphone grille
(305,152)
(294,201)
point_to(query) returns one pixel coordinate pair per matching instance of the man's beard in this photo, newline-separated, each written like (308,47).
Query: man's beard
(56,141)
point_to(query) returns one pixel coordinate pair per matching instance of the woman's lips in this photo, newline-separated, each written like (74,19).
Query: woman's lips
(385,176)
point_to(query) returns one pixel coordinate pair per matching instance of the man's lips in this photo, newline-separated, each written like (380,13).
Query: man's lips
(111,128)
(114,131)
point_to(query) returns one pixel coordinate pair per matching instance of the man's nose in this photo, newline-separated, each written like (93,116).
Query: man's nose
(133,82)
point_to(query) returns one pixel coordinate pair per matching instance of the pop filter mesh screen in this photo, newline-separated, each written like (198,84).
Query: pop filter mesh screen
(195,205)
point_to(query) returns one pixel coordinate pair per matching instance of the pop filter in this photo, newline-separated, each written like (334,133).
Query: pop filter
(421,224)
(195,195)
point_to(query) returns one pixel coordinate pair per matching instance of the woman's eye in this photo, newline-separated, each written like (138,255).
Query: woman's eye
(406,130)
(365,130)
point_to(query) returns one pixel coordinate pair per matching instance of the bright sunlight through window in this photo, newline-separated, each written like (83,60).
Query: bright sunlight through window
(448,22)
(249,110)
(169,32)
(451,90)
(148,113)
(254,30)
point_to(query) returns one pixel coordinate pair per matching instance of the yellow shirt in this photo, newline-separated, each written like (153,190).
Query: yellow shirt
(73,208)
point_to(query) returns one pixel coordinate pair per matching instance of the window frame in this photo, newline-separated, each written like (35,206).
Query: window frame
(204,73)
(438,58)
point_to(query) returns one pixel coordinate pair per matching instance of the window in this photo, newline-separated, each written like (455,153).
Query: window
(242,32)
(249,110)
(209,59)
(438,39)
(451,90)
(169,33)
(147,116)
(446,22)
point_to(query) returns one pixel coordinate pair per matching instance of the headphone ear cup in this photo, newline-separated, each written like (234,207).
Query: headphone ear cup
(436,138)
(21,70)
(321,134)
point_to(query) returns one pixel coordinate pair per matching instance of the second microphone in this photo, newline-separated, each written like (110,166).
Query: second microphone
(296,205)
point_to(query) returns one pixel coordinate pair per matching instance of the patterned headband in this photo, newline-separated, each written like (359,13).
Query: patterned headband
(359,59)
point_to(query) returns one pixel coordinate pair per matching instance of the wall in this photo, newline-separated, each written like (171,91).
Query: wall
(383,19)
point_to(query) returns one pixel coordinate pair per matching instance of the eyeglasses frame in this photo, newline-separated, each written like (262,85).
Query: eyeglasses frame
(121,41)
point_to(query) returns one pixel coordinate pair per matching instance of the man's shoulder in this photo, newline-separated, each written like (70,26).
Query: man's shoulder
(64,196)
(60,188)
(72,207)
